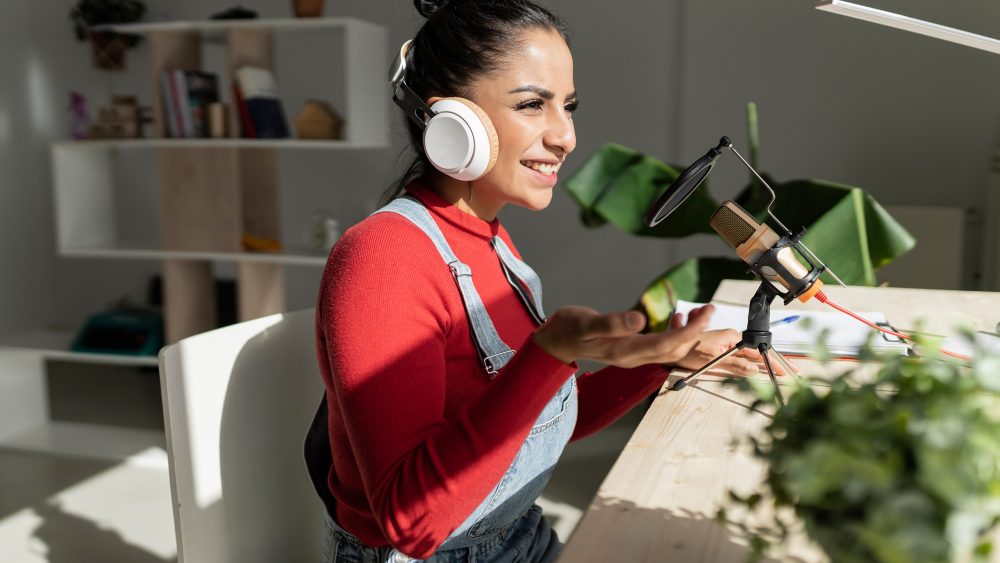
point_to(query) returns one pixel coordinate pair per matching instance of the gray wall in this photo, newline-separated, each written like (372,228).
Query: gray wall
(26,283)
(911,119)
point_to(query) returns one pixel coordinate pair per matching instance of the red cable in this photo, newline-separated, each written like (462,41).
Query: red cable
(822,298)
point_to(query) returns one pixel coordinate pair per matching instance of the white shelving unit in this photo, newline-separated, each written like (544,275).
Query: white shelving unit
(24,410)
(83,171)
(84,205)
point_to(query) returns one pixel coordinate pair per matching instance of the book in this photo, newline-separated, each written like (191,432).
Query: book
(183,103)
(167,102)
(202,90)
(799,332)
(246,124)
(260,94)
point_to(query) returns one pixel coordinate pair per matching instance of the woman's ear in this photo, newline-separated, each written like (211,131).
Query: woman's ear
(433,100)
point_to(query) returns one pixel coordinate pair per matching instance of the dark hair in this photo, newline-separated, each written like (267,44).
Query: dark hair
(461,41)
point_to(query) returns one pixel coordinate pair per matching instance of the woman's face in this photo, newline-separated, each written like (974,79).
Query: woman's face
(531,102)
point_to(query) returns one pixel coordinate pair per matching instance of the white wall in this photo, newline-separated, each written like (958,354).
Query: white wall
(911,119)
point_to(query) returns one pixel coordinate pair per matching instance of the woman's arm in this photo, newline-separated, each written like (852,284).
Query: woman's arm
(607,394)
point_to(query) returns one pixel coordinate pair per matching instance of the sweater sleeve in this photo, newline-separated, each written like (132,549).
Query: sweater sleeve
(607,394)
(384,322)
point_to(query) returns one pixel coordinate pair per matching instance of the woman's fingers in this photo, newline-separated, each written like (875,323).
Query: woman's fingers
(742,366)
(613,325)
(775,365)
(676,321)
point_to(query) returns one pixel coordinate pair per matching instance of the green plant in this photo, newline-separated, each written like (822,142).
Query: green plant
(847,228)
(906,468)
(87,13)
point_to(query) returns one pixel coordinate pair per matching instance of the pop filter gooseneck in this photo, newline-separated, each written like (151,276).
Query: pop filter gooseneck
(684,185)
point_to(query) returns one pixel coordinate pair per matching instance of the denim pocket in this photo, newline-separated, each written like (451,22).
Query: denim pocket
(555,409)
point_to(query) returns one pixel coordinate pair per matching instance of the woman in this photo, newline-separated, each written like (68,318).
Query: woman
(450,396)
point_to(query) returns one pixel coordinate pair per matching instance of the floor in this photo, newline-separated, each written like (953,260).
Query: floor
(77,510)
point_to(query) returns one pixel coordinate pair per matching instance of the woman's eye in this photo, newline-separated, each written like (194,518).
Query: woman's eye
(531,104)
(572,106)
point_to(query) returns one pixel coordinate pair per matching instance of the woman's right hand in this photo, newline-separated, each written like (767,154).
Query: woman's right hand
(574,332)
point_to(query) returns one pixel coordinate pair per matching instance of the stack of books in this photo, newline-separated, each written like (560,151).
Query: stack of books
(257,104)
(186,97)
(188,93)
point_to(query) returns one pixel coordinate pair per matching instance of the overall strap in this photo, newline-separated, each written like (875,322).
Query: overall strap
(493,352)
(523,279)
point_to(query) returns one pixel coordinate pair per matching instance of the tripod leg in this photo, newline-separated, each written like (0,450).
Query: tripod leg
(763,348)
(784,363)
(681,383)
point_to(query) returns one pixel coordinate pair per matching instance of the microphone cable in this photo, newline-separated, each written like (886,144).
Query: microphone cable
(822,298)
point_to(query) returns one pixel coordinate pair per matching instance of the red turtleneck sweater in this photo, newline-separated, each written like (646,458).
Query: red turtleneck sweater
(419,433)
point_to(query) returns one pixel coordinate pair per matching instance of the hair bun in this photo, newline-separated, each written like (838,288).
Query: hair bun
(427,8)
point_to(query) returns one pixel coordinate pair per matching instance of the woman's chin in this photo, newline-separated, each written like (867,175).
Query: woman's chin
(538,200)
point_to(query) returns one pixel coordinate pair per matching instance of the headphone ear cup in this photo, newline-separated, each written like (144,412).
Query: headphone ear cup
(491,132)
(460,139)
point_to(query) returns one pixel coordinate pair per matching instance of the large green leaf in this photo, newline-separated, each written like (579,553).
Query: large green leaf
(846,228)
(617,185)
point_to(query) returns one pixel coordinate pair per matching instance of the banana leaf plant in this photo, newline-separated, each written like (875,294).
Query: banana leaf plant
(845,226)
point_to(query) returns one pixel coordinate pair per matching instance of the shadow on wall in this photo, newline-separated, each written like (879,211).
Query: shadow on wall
(68,538)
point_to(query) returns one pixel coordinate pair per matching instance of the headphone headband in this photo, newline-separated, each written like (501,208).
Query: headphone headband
(458,137)
(405,98)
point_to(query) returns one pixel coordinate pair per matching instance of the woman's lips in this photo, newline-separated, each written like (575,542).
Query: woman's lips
(545,179)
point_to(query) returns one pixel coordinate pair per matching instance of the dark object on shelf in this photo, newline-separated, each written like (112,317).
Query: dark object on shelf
(108,48)
(308,8)
(237,12)
(126,330)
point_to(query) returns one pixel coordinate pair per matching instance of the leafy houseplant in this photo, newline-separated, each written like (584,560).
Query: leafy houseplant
(108,48)
(847,228)
(906,468)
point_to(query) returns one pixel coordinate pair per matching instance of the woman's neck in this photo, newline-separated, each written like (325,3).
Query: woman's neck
(463,195)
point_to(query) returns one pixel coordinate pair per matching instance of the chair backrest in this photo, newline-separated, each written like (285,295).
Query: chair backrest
(237,402)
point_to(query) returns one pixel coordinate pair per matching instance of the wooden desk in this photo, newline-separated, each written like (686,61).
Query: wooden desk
(659,500)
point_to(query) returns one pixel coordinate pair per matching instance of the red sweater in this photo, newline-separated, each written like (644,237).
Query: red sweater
(419,433)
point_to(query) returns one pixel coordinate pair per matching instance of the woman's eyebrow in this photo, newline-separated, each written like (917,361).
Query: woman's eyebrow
(544,93)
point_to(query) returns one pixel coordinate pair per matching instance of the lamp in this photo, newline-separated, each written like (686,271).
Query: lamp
(910,24)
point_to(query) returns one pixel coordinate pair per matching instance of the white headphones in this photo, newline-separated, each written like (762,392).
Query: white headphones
(459,138)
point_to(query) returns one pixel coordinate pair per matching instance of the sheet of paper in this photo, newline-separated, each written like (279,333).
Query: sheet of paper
(798,332)
(962,345)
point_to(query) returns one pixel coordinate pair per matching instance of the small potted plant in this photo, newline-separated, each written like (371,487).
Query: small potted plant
(108,48)
(906,468)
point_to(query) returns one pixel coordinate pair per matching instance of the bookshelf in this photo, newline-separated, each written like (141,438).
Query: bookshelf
(209,191)
(212,191)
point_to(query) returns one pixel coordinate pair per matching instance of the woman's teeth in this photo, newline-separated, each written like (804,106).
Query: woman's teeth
(543,167)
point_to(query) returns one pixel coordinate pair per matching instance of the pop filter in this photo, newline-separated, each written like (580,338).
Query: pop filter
(684,185)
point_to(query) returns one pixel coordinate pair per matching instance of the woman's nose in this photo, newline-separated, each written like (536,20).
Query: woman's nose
(561,134)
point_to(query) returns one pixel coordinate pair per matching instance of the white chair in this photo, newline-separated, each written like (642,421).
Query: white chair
(237,402)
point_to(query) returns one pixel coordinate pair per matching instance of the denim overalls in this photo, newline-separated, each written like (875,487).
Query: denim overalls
(492,530)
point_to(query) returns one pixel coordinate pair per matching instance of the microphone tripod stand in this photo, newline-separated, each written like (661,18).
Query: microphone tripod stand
(757,336)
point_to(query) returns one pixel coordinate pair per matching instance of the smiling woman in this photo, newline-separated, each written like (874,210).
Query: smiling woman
(449,401)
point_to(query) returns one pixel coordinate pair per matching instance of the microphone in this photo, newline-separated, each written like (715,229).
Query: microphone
(765,252)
